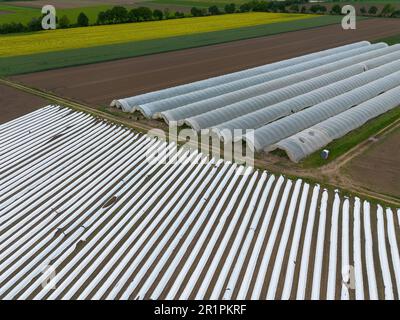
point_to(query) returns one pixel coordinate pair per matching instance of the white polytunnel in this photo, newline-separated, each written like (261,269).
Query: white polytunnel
(231,111)
(181,107)
(265,137)
(377,68)
(128,104)
(278,100)
(312,139)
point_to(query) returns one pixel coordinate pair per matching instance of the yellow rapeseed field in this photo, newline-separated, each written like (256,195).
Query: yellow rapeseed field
(63,39)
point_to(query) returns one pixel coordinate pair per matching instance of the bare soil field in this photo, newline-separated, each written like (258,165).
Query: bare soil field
(382,163)
(67,4)
(5,12)
(98,84)
(15,103)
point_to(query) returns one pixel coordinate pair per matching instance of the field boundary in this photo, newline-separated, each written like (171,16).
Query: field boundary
(313,177)
(104,53)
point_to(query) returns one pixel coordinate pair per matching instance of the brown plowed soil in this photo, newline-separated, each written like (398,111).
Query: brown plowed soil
(382,163)
(15,103)
(98,84)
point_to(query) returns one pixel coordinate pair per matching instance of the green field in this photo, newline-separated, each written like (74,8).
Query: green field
(94,36)
(53,60)
(391,40)
(25,14)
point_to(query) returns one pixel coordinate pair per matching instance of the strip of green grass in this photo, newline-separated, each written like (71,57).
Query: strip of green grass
(54,60)
(391,40)
(349,141)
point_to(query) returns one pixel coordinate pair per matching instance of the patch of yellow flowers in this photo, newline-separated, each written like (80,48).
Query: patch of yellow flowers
(64,39)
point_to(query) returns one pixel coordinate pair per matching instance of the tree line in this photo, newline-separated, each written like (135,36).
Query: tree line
(120,14)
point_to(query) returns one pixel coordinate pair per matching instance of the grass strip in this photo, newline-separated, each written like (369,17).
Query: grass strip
(341,146)
(66,58)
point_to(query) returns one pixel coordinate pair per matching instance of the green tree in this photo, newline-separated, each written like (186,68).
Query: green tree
(119,14)
(64,22)
(245,7)
(133,15)
(179,14)
(336,9)
(261,6)
(145,13)
(295,8)
(196,12)
(230,8)
(373,10)
(12,28)
(363,10)
(102,17)
(35,24)
(158,14)
(213,10)
(167,13)
(388,10)
(396,14)
(83,20)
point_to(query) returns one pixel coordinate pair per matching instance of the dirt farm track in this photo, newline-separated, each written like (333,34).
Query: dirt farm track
(98,84)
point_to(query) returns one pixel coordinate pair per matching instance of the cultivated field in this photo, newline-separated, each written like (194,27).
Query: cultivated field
(378,167)
(98,84)
(105,212)
(297,105)
(15,103)
(57,40)
(93,204)
(57,59)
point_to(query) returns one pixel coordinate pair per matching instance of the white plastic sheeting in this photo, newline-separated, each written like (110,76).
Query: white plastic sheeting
(324,92)
(210,113)
(183,106)
(290,88)
(369,254)
(174,110)
(88,200)
(180,107)
(312,139)
(266,137)
(128,104)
